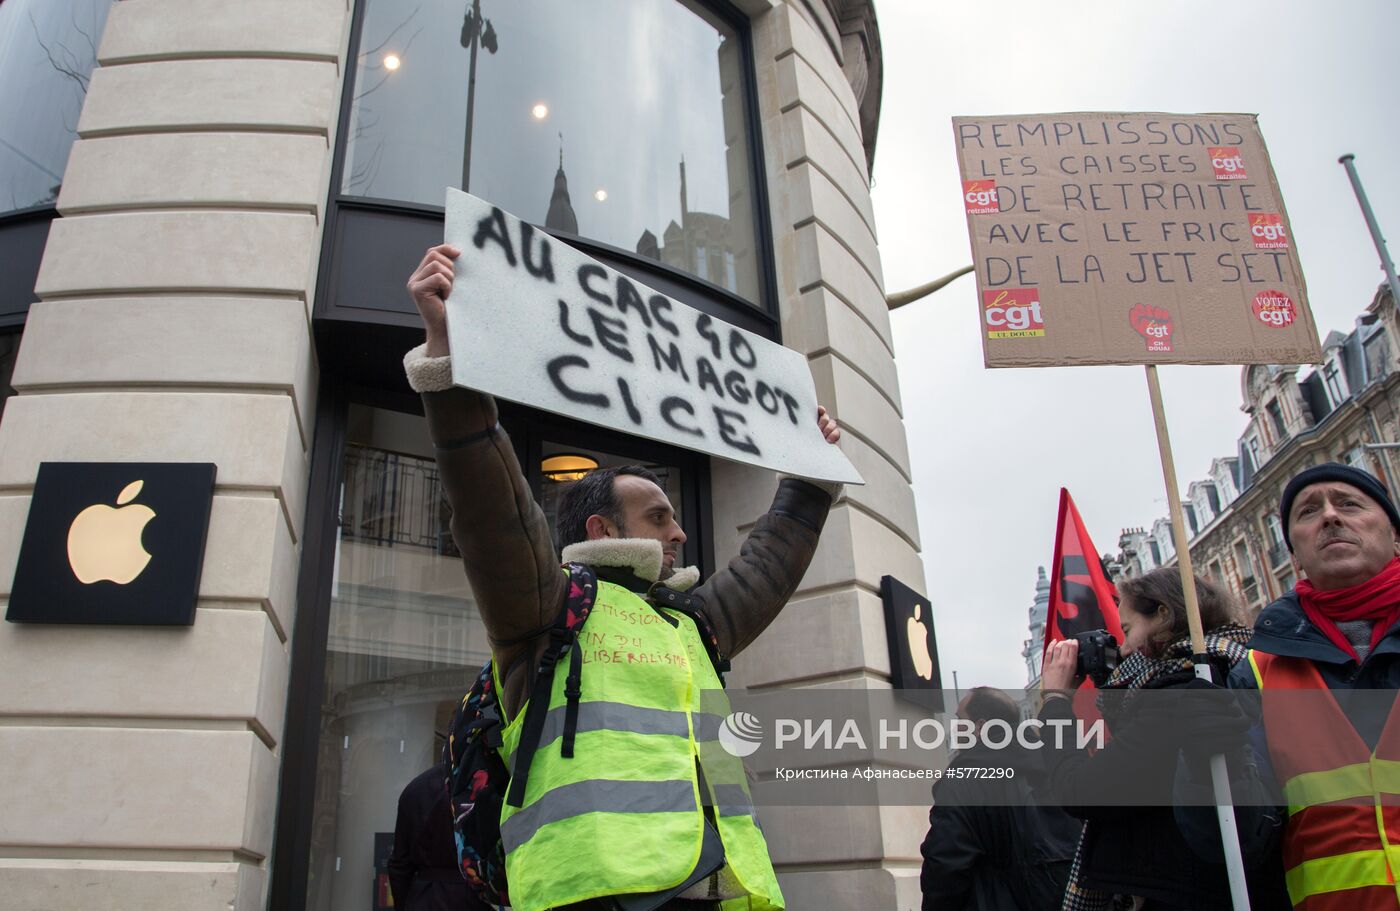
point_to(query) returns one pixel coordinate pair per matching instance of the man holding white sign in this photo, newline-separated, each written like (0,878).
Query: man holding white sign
(626,816)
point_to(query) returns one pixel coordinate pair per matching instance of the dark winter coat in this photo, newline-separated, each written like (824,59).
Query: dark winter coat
(990,845)
(1139,850)
(423,870)
(1283,629)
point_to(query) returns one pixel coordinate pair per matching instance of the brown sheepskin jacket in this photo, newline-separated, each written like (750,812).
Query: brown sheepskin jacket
(513,567)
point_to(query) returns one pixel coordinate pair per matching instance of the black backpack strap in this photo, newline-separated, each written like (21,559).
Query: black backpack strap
(563,639)
(572,692)
(661,596)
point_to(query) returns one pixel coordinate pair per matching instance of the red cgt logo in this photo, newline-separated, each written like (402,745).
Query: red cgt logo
(980,197)
(1013,313)
(1154,324)
(1227,162)
(1267,231)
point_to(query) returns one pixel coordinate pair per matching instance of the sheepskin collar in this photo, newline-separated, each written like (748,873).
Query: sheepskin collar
(640,555)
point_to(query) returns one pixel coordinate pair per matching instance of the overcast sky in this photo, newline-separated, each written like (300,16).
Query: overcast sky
(990,449)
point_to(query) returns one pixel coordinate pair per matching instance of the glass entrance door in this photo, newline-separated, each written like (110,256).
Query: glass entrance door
(404,643)
(404,638)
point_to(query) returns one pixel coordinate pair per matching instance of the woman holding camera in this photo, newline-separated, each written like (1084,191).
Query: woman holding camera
(1131,846)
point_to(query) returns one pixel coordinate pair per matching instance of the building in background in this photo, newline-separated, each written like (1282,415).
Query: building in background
(1343,410)
(1034,648)
(207,213)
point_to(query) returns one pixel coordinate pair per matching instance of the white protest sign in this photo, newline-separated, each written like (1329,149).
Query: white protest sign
(534,321)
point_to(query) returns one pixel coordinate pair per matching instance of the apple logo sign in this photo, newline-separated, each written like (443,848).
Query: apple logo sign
(911,635)
(93,527)
(104,543)
(917,631)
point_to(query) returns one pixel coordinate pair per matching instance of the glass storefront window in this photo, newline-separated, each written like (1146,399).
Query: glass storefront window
(622,121)
(47,51)
(404,643)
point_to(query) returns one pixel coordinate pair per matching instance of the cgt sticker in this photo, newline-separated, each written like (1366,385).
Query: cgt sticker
(1274,308)
(1227,162)
(1154,324)
(1013,313)
(1267,231)
(980,197)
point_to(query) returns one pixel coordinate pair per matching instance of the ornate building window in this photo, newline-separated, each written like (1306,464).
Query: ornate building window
(1377,356)
(1332,379)
(1276,417)
(1278,550)
(1252,449)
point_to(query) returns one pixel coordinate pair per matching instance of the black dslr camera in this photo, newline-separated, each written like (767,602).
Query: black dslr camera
(1098,655)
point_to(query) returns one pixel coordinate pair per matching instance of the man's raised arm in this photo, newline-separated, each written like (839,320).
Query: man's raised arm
(499,528)
(743,598)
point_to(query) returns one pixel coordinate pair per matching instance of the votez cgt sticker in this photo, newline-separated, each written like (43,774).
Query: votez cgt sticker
(1274,308)
(1013,313)
(980,197)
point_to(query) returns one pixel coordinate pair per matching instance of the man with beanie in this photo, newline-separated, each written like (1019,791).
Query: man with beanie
(1333,749)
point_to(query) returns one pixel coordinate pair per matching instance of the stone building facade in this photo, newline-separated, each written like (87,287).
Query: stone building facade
(215,274)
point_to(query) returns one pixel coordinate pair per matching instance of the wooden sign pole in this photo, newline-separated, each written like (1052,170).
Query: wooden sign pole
(1234,859)
(1178,517)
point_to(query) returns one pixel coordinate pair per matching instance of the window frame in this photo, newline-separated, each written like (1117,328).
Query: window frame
(1275,410)
(404,229)
(24,234)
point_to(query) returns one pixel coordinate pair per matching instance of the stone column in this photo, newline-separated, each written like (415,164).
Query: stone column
(830,289)
(173,324)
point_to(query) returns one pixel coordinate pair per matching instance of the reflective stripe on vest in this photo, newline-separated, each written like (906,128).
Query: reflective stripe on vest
(1336,789)
(596,796)
(607,716)
(733,800)
(624,813)
(1360,781)
(1341,871)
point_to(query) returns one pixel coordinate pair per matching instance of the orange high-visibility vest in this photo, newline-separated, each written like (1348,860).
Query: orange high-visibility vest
(1341,845)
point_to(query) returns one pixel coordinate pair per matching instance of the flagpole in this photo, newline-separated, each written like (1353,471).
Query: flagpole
(1234,859)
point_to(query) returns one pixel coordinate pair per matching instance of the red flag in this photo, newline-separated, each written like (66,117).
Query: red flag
(1081,597)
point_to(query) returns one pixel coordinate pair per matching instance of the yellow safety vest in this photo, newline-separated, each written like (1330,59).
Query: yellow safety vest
(624,813)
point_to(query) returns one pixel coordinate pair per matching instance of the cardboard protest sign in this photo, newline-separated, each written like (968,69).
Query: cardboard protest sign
(1109,238)
(535,321)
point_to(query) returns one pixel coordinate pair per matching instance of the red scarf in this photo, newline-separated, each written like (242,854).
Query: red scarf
(1377,600)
